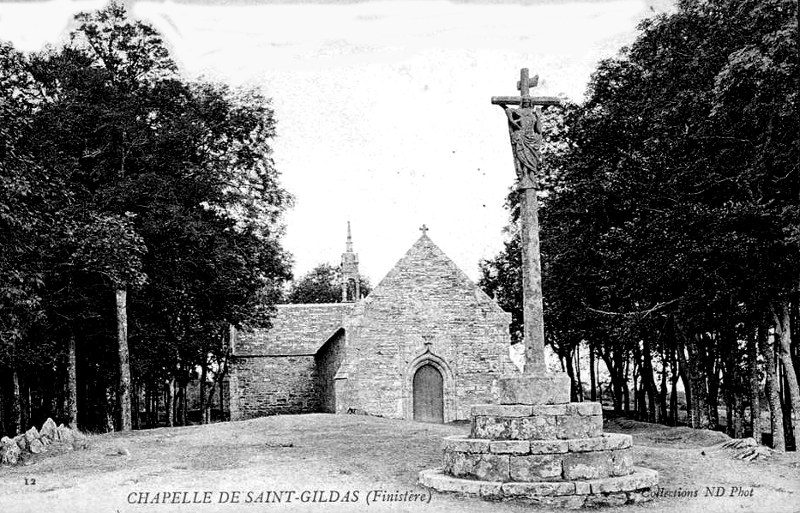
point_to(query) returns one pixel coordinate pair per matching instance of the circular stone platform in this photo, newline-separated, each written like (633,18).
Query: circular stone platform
(607,491)
(538,460)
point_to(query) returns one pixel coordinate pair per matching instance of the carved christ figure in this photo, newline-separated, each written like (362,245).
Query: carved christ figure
(525,129)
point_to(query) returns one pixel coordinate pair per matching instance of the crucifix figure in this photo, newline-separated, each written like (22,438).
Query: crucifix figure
(525,129)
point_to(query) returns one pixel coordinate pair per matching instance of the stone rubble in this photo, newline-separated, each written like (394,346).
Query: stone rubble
(33,441)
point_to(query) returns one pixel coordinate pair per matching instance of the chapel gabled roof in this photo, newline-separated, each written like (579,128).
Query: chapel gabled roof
(422,269)
(297,329)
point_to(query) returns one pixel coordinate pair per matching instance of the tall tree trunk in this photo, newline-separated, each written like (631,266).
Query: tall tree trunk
(3,427)
(615,386)
(730,406)
(157,395)
(592,375)
(773,397)
(148,405)
(663,415)
(184,404)
(209,404)
(222,416)
(111,395)
(72,384)
(783,334)
(710,360)
(754,385)
(683,373)
(696,398)
(136,403)
(730,381)
(626,391)
(673,393)
(649,380)
(639,408)
(124,392)
(738,418)
(203,375)
(170,402)
(25,404)
(16,401)
(788,421)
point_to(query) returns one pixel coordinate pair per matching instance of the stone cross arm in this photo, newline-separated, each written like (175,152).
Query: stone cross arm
(546,101)
(524,86)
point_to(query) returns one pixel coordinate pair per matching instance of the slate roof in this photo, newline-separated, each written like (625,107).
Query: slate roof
(422,270)
(296,330)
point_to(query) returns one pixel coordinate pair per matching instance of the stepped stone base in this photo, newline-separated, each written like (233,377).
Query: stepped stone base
(607,491)
(545,388)
(537,422)
(553,454)
(538,460)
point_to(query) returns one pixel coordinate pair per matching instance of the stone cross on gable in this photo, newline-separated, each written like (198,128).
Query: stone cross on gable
(423,229)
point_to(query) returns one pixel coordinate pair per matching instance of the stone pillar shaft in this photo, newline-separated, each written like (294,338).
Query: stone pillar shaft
(533,308)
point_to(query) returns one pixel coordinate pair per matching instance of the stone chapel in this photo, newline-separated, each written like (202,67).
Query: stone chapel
(426,344)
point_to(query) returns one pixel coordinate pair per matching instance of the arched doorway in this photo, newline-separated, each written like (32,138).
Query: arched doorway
(428,395)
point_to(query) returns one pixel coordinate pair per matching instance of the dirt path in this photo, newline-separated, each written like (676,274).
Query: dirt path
(307,461)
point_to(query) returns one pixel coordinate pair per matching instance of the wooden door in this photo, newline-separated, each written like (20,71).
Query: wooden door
(428,395)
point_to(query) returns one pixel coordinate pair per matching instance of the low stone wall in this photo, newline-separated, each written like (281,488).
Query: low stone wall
(549,460)
(609,491)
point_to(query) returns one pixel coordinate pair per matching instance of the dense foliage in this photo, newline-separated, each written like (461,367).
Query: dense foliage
(670,217)
(120,175)
(323,284)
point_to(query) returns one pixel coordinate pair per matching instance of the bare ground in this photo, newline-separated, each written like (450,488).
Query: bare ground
(336,454)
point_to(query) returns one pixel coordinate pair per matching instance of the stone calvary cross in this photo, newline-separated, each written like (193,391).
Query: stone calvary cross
(525,130)
(534,445)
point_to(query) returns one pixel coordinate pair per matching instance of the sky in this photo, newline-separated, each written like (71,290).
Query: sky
(383,107)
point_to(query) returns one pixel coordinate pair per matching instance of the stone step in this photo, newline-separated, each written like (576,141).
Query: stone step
(545,422)
(604,442)
(534,410)
(634,487)
(551,460)
(547,388)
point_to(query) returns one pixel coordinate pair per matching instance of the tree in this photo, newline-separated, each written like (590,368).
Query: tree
(670,229)
(25,220)
(321,285)
(174,211)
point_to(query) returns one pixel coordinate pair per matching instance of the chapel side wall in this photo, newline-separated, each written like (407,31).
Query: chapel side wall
(275,385)
(328,360)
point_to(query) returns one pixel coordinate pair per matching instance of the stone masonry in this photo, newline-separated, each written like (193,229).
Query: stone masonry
(549,453)
(276,371)
(426,311)
(362,357)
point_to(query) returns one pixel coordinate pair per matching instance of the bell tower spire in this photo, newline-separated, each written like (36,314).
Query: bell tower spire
(351,286)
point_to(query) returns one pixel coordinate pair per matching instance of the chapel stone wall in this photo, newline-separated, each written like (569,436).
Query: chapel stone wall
(425,311)
(275,385)
(328,360)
